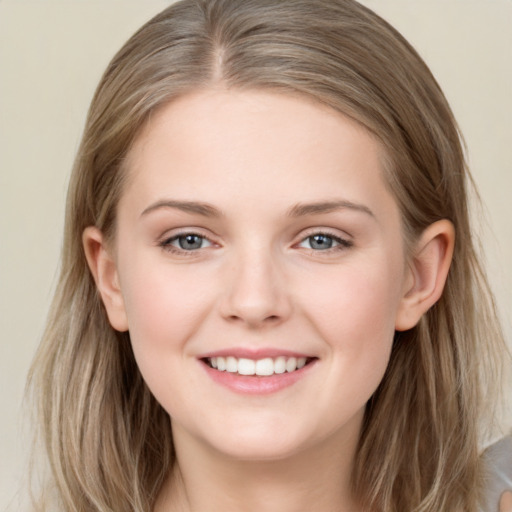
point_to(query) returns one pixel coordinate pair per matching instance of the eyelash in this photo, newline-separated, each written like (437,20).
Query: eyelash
(341,243)
(166,244)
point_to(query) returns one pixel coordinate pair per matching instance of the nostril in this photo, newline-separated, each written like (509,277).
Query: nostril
(270,318)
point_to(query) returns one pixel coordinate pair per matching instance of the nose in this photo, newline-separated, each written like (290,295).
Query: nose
(256,293)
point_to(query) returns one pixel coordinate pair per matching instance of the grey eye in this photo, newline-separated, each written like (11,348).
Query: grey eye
(190,242)
(325,242)
(320,242)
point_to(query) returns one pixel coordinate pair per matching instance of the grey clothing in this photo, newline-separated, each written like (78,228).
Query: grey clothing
(499,472)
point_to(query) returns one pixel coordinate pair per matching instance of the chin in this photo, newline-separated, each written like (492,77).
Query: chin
(261,450)
(266,441)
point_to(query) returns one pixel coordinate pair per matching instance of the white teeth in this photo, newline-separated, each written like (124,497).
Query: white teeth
(231,365)
(265,366)
(246,367)
(262,367)
(291,364)
(280,365)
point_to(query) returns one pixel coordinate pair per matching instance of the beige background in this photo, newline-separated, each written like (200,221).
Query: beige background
(51,56)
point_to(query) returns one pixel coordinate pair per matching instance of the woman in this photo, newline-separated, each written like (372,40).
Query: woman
(269,297)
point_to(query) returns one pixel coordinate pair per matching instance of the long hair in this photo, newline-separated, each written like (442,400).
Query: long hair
(108,441)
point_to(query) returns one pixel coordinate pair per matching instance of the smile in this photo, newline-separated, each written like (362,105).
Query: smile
(257,372)
(261,367)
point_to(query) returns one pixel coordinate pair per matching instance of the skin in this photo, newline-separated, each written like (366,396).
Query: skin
(506,502)
(259,281)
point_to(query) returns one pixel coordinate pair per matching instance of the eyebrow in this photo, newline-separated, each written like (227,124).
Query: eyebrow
(298,210)
(204,209)
(302,209)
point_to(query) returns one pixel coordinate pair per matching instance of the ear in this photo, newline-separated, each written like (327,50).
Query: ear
(104,271)
(427,273)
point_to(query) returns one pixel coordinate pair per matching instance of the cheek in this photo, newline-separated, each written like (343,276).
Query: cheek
(164,308)
(164,311)
(356,319)
(358,325)
(355,306)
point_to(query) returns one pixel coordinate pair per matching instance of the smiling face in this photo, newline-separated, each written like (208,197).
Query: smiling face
(259,267)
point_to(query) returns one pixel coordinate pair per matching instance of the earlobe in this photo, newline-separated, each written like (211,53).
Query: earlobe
(427,273)
(104,270)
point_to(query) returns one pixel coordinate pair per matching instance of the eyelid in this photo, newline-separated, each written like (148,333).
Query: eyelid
(165,240)
(343,241)
(320,230)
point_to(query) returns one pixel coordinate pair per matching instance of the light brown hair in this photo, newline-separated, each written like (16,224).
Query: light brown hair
(108,441)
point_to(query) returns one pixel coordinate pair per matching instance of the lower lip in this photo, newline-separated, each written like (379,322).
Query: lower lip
(255,384)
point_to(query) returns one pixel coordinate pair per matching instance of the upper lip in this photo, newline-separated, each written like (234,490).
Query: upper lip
(256,354)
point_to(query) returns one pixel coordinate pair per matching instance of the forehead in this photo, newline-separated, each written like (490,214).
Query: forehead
(258,143)
(241,108)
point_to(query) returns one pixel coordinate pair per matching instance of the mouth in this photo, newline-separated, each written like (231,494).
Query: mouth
(257,372)
(264,367)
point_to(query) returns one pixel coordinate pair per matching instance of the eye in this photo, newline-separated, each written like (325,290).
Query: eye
(324,242)
(186,242)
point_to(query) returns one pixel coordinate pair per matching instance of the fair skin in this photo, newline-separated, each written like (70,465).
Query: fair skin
(506,502)
(258,227)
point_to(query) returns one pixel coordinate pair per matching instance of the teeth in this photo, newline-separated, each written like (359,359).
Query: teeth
(231,365)
(291,364)
(221,364)
(280,365)
(263,367)
(246,367)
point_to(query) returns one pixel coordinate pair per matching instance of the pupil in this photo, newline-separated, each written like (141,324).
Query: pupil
(190,242)
(321,242)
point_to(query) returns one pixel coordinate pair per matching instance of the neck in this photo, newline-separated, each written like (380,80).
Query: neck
(313,479)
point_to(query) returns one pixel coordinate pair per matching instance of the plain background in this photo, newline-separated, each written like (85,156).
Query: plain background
(52,54)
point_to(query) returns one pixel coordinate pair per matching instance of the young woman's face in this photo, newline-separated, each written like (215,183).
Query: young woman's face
(256,235)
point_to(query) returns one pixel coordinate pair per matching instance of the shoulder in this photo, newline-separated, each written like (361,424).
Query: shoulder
(498,472)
